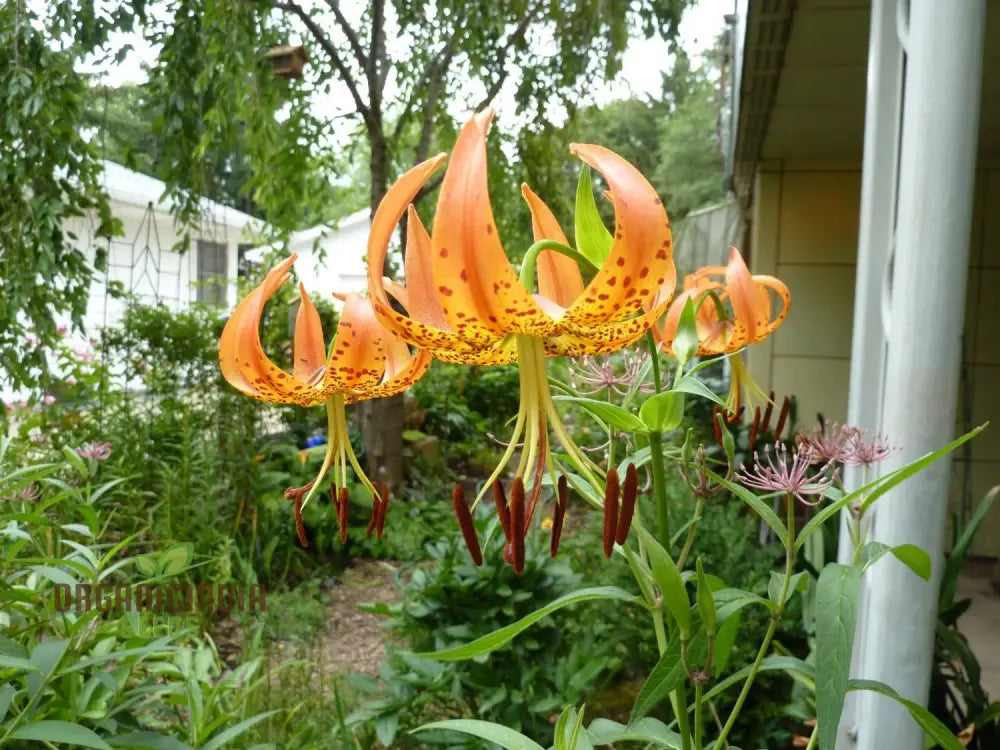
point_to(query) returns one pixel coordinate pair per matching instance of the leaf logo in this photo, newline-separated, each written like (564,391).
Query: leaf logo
(168,563)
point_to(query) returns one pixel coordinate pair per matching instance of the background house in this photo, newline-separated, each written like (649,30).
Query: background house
(145,260)
(330,259)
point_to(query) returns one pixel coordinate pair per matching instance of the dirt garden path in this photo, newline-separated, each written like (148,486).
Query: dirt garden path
(354,641)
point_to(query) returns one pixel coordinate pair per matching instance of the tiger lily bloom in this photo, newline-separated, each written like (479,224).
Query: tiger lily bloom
(365,361)
(482,313)
(724,328)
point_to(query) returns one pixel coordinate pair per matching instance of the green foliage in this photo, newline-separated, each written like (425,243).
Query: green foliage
(84,675)
(451,602)
(49,174)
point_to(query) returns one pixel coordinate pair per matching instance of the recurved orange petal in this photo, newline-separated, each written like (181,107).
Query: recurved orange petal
(423,304)
(751,305)
(639,271)
(241,356)
(559,277)
(390,211)
(480,293)
(309,353)
(358,359)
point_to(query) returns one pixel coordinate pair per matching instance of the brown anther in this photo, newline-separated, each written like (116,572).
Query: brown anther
(373,523)
(630,490)
(508,554)
(342,513)
(754,428)
(558,515)
(383,491)
(517,524)
(766,421)
(466,525)
(782,416)
(503,511)
(300,528)
(610,511)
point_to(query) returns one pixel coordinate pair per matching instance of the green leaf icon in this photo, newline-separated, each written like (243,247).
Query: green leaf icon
(176,559)
(146,565)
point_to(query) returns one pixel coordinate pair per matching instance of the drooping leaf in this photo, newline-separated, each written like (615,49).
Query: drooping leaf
(669,581)
(649,730)
(499,638)
(62,732)
(928,722)
(613,415)
(836,615)
(663,412)
(667,675)
(503,736)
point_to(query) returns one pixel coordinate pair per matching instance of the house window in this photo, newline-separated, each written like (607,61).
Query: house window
(213,272)
(244,268)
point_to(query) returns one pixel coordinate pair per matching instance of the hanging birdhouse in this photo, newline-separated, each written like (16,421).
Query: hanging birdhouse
(287,60)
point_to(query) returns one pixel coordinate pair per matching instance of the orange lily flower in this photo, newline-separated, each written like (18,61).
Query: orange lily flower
(732,310)
(481,313)
(748,318)
(365,361)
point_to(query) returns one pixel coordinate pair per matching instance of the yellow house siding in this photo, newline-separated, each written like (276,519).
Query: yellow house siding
(804,229)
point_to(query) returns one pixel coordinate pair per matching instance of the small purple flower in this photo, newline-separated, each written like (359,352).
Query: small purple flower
(28,493)
(789,474)
(35,436)
(84,355)
(49,399)
(99,451)
(32,340)
(62,329)
(71,380)
(869,450)
(605,373)
(829,443)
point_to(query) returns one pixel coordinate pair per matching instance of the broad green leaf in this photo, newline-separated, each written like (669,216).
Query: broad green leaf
(613,415)
(146,564)
(150,740)
(685,343)
(799,582)
(16,662)
(928,722)
(730,601)
(7,693)
(691,384)
(797,668)
(506,738)
(56,575)
(663,412)
(914,558)
(706,604)
(725,639)
(235,731)
(176,559)
(667,675)
(878,487)
(836,613)
(593,240)
(64,732)
(503,636)
(649,730)
(669,581)
(47,654)
(78,462)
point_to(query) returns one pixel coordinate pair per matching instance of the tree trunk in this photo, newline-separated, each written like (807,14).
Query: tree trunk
(381,420)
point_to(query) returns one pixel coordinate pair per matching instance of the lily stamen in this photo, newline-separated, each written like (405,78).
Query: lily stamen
(466,525)
(558,515)
(630,491)
(610,511)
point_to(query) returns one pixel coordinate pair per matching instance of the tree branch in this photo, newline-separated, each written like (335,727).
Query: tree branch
(376,55)
(332,53)
(352,37)
(436,67)
(503,72)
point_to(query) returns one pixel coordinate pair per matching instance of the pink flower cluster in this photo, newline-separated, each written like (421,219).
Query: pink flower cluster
(832,443)
(98,451)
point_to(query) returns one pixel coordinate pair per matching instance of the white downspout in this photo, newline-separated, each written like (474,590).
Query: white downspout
(927,310)
(877,222)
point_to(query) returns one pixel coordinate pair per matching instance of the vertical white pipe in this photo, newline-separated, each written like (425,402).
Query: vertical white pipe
(936,178)
(876,225)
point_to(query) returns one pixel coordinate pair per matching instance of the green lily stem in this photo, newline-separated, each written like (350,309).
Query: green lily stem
(527,276)
(698,720)
(689,541)
(720,743)
(679,700)
(659,487)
